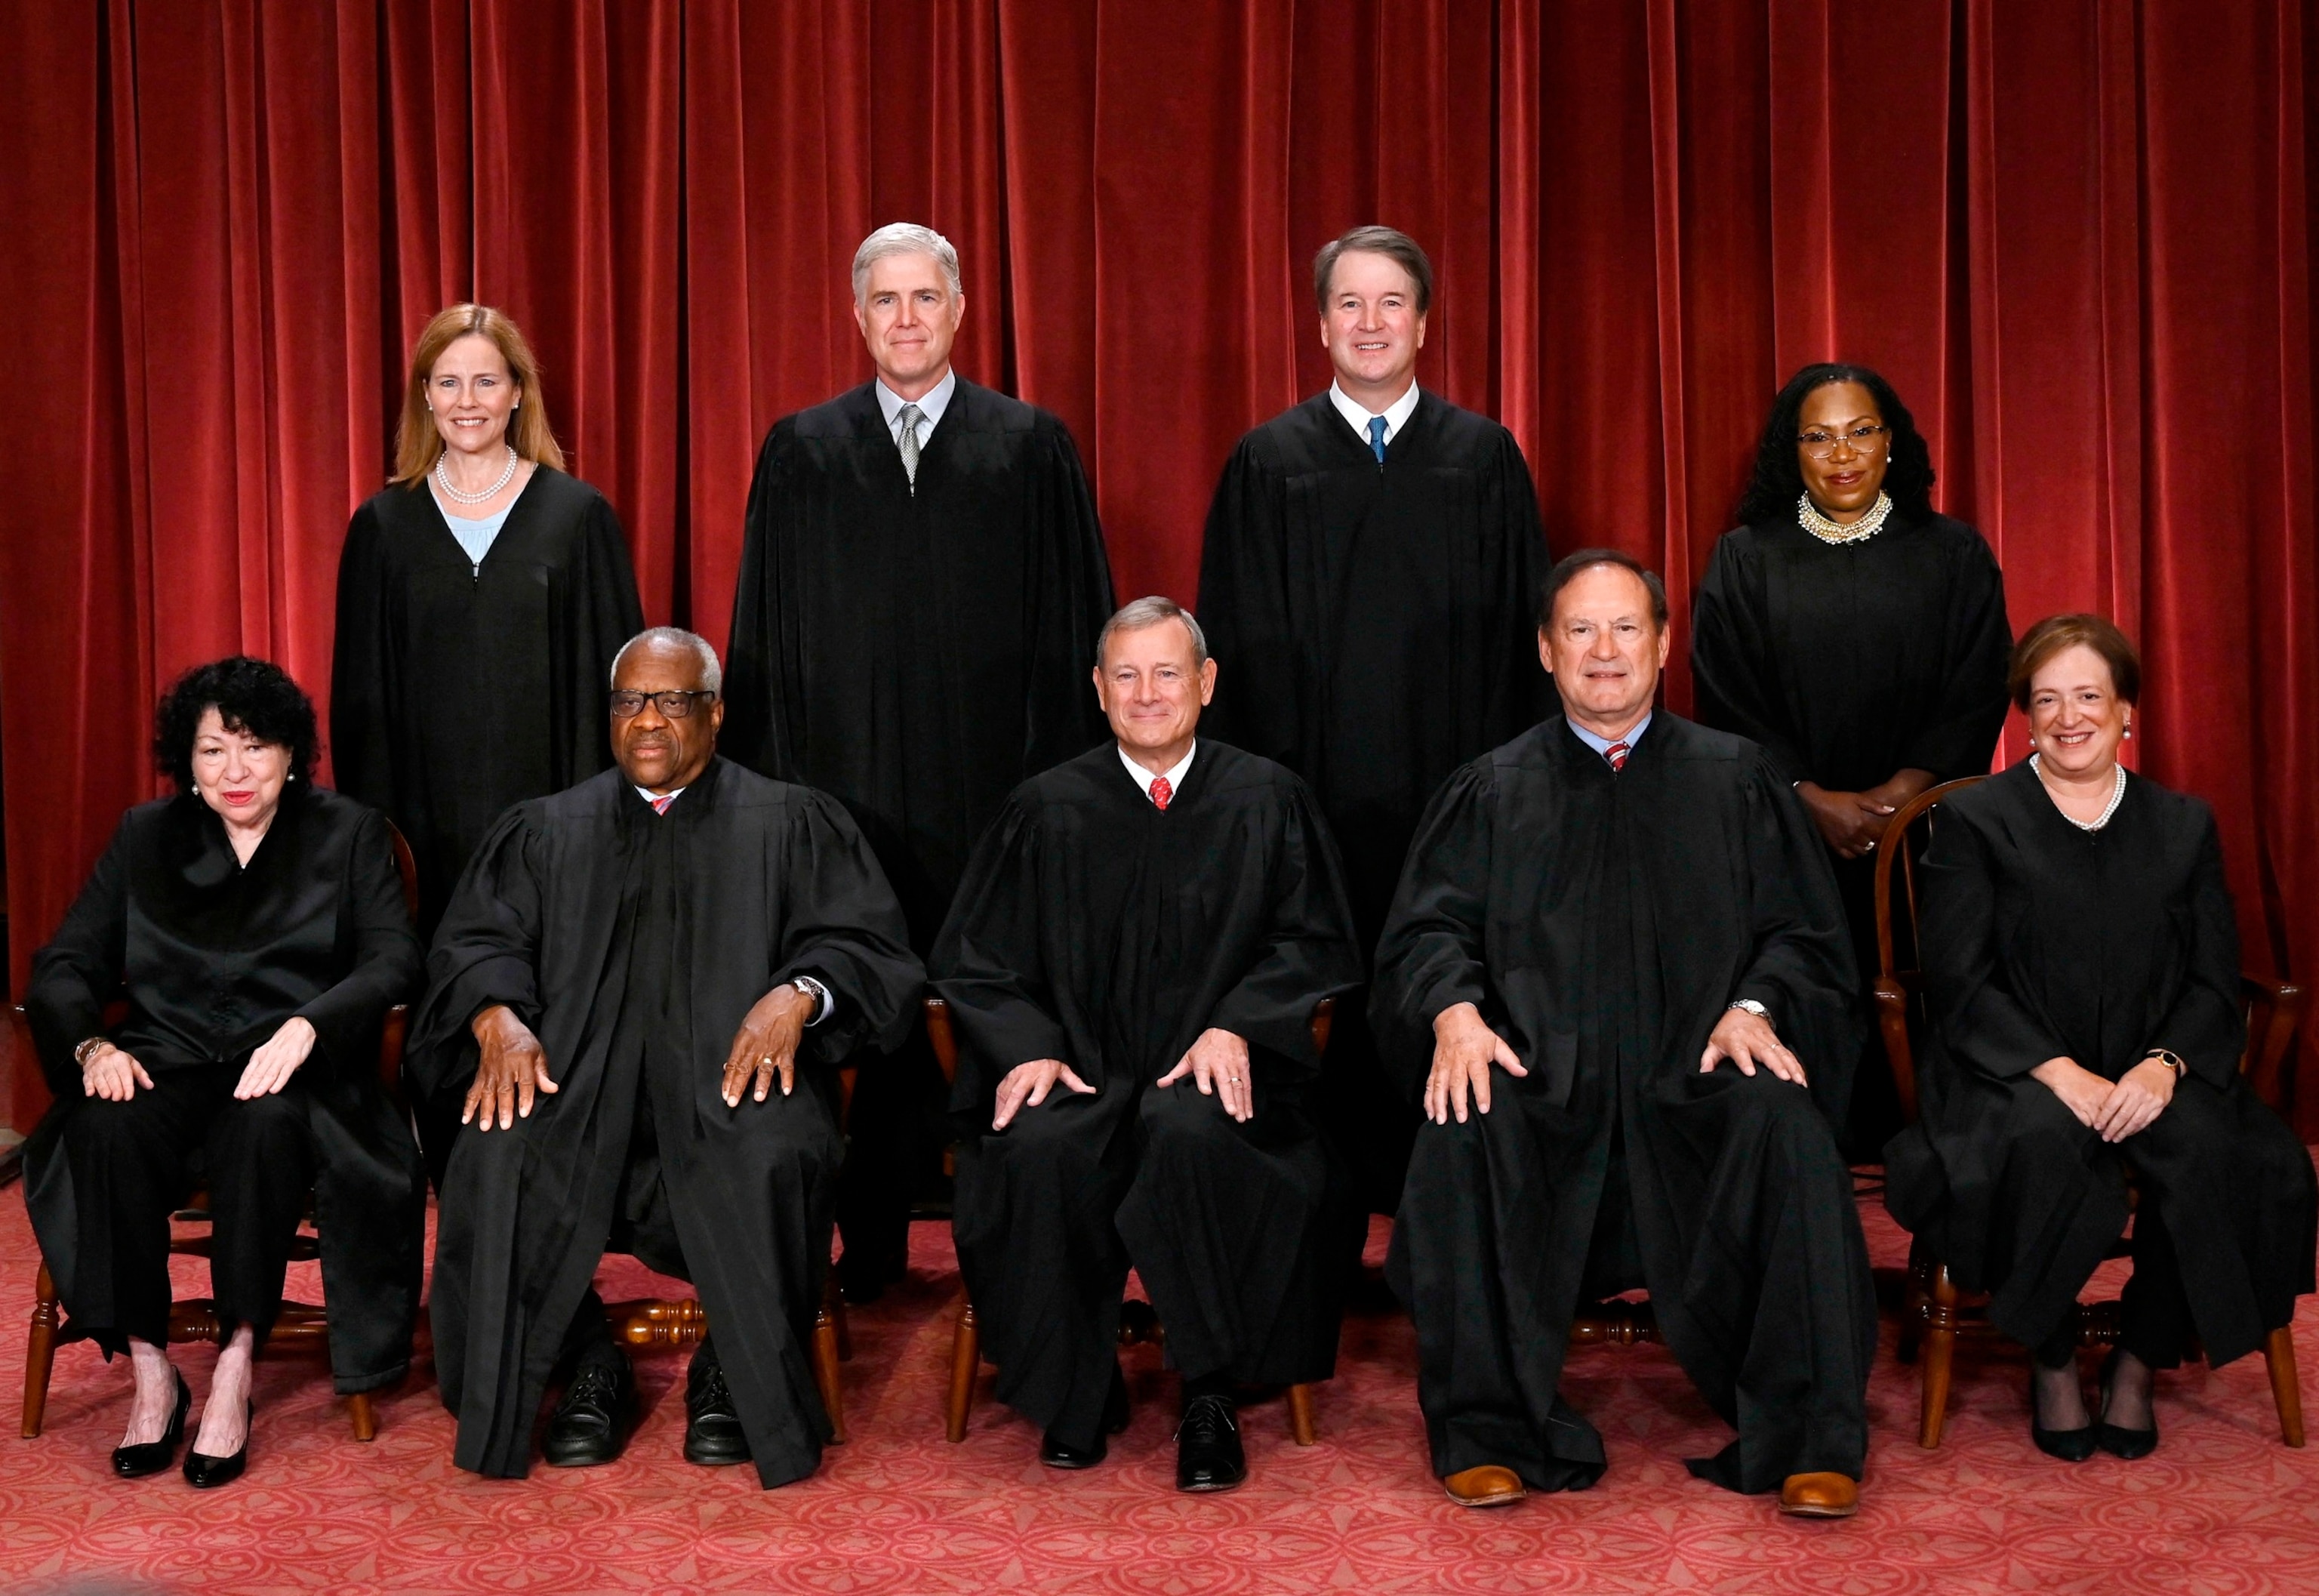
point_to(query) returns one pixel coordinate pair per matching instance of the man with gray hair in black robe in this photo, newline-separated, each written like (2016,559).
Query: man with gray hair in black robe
(1617,975)
(625,972)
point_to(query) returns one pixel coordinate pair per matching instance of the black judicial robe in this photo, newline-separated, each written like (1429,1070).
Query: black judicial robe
(2040,941)
(1603,922)
(743,884)
(457,690)
(915,654)
(213,957)
(1096,929)
(1846,662)
(1376,626)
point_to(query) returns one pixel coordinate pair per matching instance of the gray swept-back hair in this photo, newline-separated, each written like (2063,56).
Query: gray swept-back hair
(903,237)
(1151,612)
(712,674)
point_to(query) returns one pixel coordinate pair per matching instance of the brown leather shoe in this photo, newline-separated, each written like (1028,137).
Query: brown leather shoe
(1820,1496)
(1484,1485)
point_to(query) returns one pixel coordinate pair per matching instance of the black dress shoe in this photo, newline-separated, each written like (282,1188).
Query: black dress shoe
(2070,1446)
(1057,1453)
(712,1425)
(150,1458)
(2128,1444)
(1208,1456)
(590,1423)
(205,1473)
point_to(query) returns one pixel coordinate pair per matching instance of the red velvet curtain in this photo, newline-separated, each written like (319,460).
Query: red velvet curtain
(2075,235)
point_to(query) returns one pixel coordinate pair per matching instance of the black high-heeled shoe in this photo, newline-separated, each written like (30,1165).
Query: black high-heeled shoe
(2128,1444)
(2070,1446)
(205,1472)
(150,1458)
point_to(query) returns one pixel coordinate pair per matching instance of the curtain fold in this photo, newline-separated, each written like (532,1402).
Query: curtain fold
(2075,235)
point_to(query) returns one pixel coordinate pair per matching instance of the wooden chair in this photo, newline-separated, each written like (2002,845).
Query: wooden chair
(1935,1312)
(302,1326)
(1139,1325)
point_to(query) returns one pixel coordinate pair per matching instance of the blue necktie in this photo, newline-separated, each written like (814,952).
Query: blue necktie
(1377,437)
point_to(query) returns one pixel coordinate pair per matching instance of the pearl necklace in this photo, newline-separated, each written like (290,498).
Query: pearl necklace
(443,480)
(2117,797)
(1809,517)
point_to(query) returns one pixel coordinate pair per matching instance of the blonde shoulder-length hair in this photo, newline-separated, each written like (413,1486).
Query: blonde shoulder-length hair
(417,444)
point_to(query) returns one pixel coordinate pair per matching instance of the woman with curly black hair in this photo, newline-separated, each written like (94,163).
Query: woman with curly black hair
(256,928)
(1855,633)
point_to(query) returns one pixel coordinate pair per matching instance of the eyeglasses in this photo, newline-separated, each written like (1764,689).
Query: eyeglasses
(674,704)
(1820,445)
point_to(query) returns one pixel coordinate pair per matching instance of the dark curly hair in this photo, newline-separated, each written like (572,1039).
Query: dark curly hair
(1777,482)
(249,695)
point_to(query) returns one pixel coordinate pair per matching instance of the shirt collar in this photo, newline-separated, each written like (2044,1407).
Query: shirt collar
(1396,414)
(931,407)
(1174,773)
(650,796)
(1602,745)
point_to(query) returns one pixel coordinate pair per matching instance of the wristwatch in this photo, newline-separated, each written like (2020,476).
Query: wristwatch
(817,992)
(87,1049)
(1753,1008)
(2172,1061)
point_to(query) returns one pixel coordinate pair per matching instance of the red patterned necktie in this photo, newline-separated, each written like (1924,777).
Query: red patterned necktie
(1617,754)
(1161,793)
(660,805)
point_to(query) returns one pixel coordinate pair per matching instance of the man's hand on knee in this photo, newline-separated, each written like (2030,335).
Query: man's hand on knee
(1749,1040)
(1218,1062)
(511,1068)
(1026,1086)
(767,1044)
(1463,1049)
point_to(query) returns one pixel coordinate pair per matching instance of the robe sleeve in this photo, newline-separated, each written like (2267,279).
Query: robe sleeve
(989,963)
(1733,671)
(1804,971)
(1981,1022)
(363,688)
(1309,951)
(2206,1027)
(387,959)
(605,613)
(1960,736)
(752,734)
(1244,610)
(78,973)
(843,927)
(1072,598)
(1434,953)
(1518,695)
(486,951)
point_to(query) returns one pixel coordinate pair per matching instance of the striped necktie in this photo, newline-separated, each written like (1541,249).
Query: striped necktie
(1617,754)
(660,805)
(1161,793)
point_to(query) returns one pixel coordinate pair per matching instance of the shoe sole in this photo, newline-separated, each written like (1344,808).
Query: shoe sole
(718,1459)
(1495,1499)
(579,1461)
(1210,1490)
(1819,1512)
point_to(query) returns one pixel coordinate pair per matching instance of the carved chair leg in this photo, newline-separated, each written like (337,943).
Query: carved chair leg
(1939,1354)
(362,1415)
(40,1352)
(825,1372)
(965,1364)
(1300,1415)
(2286,1390)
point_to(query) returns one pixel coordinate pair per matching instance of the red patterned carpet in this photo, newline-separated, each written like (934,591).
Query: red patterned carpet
(2221,1507)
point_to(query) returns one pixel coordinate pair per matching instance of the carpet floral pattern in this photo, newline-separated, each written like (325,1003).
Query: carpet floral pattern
(2221,1510)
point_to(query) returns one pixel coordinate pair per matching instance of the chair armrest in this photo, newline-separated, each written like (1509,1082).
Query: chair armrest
(1892,1025)
(2274,1014)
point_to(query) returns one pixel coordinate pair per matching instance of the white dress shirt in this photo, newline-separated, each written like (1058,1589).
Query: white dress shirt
(929,408)
(1602,745)
(1174,773)
(1395,414)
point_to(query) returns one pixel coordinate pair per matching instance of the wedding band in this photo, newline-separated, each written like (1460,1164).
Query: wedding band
(1870,848)
(1233,1078)
(765,1062)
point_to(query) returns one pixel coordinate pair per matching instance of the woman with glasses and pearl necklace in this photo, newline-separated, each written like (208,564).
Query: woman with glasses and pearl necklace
(2081,982)
(482,596)
(1858,635)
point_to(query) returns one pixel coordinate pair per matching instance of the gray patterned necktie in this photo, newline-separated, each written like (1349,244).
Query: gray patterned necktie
(911,416)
